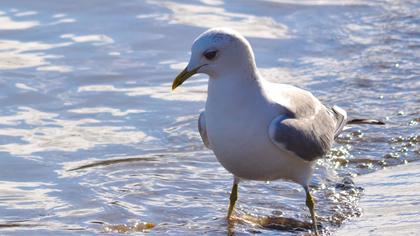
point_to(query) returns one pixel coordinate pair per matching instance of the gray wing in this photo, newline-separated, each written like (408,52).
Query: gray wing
(203,130)
(308,128)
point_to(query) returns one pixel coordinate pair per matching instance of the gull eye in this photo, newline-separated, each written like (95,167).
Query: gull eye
(210,55)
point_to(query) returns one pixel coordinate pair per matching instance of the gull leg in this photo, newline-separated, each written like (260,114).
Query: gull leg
(233,197)
(310,203)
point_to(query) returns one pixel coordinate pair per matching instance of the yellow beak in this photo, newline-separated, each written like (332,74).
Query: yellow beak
(184,75)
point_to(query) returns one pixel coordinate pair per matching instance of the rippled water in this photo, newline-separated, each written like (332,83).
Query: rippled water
(92,139)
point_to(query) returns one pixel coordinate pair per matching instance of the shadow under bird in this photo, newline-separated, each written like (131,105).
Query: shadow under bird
(257,129)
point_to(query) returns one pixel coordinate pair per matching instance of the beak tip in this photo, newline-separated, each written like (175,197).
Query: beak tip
(184,75)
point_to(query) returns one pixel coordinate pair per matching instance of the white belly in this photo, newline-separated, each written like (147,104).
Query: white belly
(241,144)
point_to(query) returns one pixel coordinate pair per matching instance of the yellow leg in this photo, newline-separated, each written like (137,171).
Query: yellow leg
(233,198)
(311,205)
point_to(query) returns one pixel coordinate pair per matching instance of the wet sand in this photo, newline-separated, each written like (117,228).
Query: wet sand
(390,203)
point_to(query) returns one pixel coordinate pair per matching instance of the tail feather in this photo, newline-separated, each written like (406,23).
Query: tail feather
(365,121)
(341,117)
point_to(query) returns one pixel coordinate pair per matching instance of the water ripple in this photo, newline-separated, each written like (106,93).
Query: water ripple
(92,139)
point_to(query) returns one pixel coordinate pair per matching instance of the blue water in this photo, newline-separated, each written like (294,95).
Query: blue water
(83,83)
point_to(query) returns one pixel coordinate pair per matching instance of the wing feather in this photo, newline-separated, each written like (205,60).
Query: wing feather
(309,129)
(203,130)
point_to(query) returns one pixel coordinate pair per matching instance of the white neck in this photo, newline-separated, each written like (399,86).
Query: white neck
(234,90)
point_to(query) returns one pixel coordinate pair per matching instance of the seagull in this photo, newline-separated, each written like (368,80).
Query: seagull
(257,129)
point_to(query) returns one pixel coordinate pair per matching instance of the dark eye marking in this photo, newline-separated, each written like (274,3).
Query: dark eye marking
(210,55)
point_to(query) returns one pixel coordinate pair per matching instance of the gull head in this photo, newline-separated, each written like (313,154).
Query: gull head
(218,52)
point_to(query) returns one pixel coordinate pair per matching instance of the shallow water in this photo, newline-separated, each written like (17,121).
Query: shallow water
(389,203)
(92,139)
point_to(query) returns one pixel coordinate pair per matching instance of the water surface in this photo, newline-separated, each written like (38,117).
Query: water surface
(93,140)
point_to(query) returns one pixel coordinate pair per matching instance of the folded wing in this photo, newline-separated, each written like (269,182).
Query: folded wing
(309,128)
(203,130)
